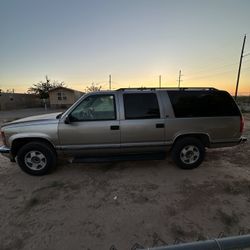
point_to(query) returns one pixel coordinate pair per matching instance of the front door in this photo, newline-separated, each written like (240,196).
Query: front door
(93,127)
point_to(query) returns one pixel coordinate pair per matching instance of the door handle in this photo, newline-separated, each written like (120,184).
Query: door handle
(114,127)
(159,125)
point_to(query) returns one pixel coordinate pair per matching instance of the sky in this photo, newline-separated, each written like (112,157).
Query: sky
(80,42)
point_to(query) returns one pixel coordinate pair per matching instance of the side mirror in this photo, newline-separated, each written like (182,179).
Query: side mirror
(67,120)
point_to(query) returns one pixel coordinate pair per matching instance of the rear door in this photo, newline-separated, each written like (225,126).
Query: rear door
(142,125)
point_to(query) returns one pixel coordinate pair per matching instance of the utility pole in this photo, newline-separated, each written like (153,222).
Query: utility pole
(159,81)
(239,70)
(179,79)
(109,82)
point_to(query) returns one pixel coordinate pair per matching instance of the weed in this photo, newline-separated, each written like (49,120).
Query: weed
(56,184)
(228,219)
(32,202)
(236,187)
(177,231)
(171,211)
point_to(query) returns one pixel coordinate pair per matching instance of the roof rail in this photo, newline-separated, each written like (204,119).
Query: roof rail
(170,88)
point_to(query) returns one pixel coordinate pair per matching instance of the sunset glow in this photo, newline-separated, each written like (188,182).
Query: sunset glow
(80,42)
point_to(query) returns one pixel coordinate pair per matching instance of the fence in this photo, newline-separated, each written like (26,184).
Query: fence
(235,242)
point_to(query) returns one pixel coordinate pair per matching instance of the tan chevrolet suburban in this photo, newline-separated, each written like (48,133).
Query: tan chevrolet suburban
(127,122)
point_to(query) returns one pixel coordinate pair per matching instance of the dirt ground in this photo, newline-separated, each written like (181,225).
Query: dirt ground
(126,205)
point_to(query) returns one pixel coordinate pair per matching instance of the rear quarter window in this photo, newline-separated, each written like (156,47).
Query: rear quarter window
(202,103)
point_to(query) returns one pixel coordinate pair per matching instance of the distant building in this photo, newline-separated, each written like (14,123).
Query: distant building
(62,97)
(10,101)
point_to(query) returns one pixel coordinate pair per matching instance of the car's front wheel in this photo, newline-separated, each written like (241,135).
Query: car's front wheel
(36,158)
(188,152)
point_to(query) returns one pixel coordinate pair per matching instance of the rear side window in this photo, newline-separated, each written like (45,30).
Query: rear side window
(141,106)
(202,103)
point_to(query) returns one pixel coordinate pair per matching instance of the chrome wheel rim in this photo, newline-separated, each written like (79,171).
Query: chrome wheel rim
(190,154)
(35,160)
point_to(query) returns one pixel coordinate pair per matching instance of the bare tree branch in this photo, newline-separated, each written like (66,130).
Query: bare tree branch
(43,87)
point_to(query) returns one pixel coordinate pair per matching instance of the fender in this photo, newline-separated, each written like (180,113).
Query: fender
(190,133)
(30,135)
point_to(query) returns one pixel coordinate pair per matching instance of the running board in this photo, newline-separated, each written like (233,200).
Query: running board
(139,157)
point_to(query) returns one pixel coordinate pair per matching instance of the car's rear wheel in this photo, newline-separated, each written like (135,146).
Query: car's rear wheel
(36,158)
(188,152)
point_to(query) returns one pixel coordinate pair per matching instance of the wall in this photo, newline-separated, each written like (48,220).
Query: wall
(10,101)
(71,97)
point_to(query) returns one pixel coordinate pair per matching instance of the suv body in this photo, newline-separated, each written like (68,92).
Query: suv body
(127,121)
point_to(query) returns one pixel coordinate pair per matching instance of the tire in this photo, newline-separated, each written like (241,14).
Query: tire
(36,158)
(188,152)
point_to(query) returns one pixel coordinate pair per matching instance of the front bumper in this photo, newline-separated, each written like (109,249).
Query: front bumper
(5,151)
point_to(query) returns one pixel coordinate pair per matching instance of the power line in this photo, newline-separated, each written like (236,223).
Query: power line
(215,68)
(213,74)
(209,75)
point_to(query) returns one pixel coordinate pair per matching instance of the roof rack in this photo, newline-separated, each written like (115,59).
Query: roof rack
(170,88)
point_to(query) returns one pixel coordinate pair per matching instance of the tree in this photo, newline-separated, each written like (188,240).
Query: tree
(43,87)
(7,91)
(92,88)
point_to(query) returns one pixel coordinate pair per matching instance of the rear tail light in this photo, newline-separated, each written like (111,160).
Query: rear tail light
(241,123)
(3,138)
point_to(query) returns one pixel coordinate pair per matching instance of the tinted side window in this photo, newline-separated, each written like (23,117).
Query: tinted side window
(202,103)
(141,106)
(94,108)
